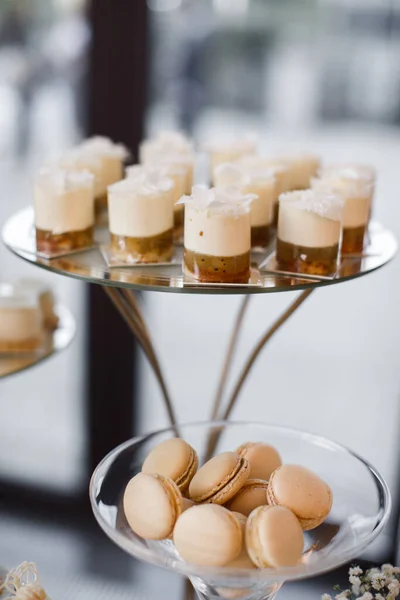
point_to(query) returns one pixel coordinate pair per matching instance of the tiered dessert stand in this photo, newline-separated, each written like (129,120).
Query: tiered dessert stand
(55,341)
(122,283)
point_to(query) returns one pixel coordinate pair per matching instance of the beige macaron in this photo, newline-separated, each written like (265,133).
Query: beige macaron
(208,535)
(274,537)
(252,495)
(263,459)
(219,479)
(175,459)
(303,492)
(152,504)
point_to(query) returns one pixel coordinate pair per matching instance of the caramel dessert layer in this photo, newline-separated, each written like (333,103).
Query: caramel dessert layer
(303,259)
(218,269)
(261,236)
(152,249)
(353,239)
(179,220)
(26,345)
(276,214)
(46,241)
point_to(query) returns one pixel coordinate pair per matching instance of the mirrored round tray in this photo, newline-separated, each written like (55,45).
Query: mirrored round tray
(55,342)
(90,265)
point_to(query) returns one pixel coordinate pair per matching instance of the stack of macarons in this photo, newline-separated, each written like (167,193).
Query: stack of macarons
(241,509)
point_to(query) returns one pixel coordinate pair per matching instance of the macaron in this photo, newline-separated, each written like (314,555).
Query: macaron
(263,459)
(303,492)
(152,504)
(219,479)
(274,537)
(175,459)
(208,535)
(252,495)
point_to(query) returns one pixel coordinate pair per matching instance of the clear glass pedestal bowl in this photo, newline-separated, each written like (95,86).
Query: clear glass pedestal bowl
(361,505)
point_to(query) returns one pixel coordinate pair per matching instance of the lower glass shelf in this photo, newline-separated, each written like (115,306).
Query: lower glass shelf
(91,266)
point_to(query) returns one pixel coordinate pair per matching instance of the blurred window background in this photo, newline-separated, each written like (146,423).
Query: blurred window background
(302,75)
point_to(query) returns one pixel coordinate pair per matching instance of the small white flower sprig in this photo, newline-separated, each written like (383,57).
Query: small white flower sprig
(229,199)
(22,583)
(373,584)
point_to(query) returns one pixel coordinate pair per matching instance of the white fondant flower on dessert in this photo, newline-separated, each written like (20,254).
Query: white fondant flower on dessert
(103,146)
(143,180)
(227,199)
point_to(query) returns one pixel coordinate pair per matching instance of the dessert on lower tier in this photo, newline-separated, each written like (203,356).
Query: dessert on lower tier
(64,210)
(252,178)
(112,158)
(302,167)
(309,231)
(217,236)
(225,152)
(175,148)
(178,175)
(141,219)
(357,196)
(45,298)
(20,321)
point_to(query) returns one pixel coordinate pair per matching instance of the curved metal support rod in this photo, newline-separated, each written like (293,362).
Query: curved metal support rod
(229,357)
(131,313)
(214,436)
(263,341)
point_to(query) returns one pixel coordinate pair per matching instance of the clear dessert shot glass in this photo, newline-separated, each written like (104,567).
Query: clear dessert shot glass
(361,506)
(253,178)
(309,232)
(141,218)
(357,193)
(170,145)
(217,235)
(64,210)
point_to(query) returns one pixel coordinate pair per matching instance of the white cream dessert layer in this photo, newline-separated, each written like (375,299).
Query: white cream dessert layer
(251,178)
(20,316)
(302,167)
(112,157)
(217,221)
(310,218)
(64,200)
(141,206)
(171,170)
(356,194)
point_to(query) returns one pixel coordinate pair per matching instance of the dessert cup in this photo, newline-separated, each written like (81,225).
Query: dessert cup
(217,235)
(225,152)
(361,506)
(175,171)
(252,178)
(173,147)
(111,158)
(20,320)
(357,192)
(280,168)
(302,167)
(141,218)
(64,210)
(309,232)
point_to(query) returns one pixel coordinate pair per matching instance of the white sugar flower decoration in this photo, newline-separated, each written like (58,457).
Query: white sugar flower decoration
(228,199)
(22,583)
(373,584)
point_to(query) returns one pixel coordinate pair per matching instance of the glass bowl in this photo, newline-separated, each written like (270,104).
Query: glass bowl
(361,505)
